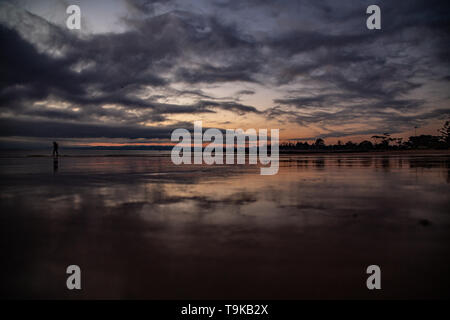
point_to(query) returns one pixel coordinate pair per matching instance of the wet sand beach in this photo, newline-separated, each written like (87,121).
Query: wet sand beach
(141,227)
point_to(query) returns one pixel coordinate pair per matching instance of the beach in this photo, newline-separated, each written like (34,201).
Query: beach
(141,227)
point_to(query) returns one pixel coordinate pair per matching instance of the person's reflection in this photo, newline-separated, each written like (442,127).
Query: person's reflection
(55,165)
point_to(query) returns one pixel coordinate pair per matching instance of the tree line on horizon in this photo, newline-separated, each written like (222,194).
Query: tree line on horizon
(380,142)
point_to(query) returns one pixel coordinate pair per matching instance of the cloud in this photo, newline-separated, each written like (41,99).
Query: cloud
(51,129)
(170,61)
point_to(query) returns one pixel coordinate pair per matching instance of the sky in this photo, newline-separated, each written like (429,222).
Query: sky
(138,69)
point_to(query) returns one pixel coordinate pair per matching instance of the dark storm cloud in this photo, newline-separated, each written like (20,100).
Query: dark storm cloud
(49,129)
(367,77)
(231,106)
(145,6)
(301,41)
(113,76)
(113,67)
(208,73)
(329,68)
(66,129)
(29,74)
(363,115)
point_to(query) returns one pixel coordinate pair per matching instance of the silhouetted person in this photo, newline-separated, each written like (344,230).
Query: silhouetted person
(55,149)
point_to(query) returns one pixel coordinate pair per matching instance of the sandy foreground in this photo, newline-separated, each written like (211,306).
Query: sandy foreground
(140,227)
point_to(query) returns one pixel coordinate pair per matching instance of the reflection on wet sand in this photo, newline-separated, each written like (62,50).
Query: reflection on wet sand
(55,164)
(141,227)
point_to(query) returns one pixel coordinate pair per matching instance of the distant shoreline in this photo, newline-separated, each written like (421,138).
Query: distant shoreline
(371,152)
(163,153)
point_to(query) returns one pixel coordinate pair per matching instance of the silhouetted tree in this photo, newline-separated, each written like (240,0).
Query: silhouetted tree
(398,141)
(376,138)
(382,142)
(425,141)
(320,143)
(350,145)
(445,133)
(365,145)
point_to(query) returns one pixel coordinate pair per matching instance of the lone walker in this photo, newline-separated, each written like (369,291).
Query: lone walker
(55,149)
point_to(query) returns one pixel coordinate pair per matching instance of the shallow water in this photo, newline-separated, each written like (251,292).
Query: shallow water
(141,227)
